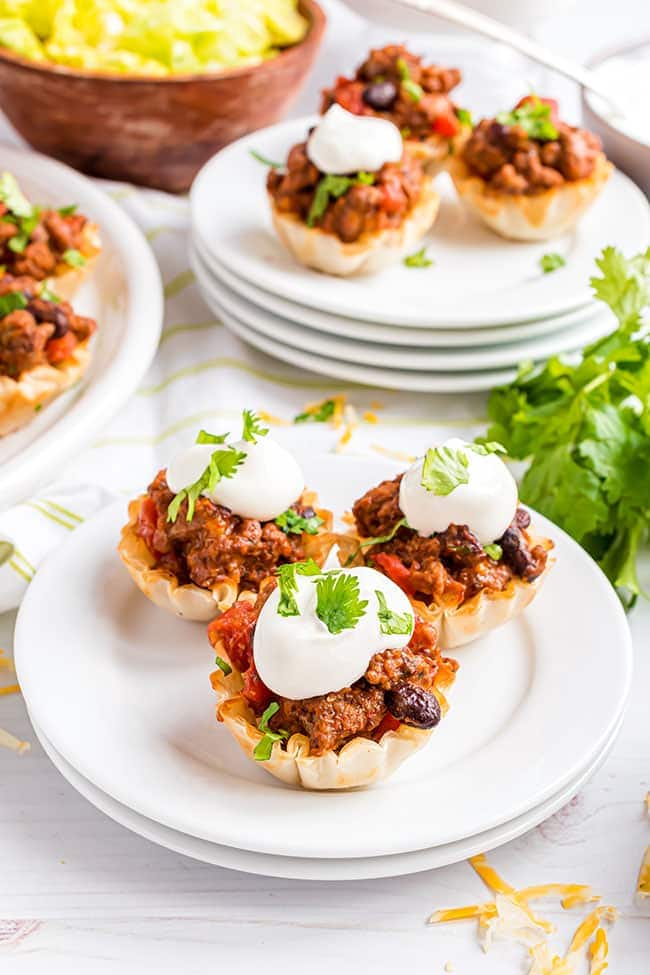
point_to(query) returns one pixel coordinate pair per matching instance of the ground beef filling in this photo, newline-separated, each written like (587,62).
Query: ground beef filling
(216,544)
(397,686)
(54,234)
(511,162)
(42,333)
(450,567)
(379,88)
(362,209)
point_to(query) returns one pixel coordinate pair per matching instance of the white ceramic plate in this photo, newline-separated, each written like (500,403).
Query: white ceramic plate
(121,690)
(295,336)
(124,294)
(385,334)
(297,868)
(419,382)
(478,278)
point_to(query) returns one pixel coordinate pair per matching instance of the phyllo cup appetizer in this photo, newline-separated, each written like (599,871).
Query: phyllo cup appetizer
(394,84)
(351,199)
(450,532)
(329,679)
(221,518)
(43,348)
(57,246)
(528,175)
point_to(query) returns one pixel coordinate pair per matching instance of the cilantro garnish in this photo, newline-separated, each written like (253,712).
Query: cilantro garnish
(331,187)
(412,89)
(288,585)
(252,427)
(223,665)
(379,540)
(493,550)
(223,463)
(584,428)
(321,414)
(263,159)
(390,623)
(48,295)
(69,210)
(338,602)
(12,301)
(419,259)
(444,469)
(13,198)
(551,262)
(264,747)
(487,447)
(73,257)
(464,117)
(204,437)
(534,117)
(292,523)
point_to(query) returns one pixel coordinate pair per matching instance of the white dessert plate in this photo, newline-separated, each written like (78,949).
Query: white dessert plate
(121,690)
(296,336)
(363,331)
(477,279)
(124,295)
(311,868)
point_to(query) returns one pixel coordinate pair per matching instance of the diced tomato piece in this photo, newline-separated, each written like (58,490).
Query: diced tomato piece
(349,95)
(387,723)
(235,629)
(446,125)
(551,102)
(393,199)
(255,690)
(58,350)
(147,522)
(394,568)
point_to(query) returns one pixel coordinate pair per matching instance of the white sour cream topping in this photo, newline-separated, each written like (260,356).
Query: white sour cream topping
(297,656)
(346,143)
(267,482)
(486,504)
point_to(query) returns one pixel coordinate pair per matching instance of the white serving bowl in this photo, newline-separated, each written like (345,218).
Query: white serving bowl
(515,13)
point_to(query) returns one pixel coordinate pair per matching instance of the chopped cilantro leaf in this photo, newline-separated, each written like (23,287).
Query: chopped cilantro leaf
(288,585)
(73,257)
(379,540)
(444,469)
(265,162)
(204,437)
(293,523)
(534,116)
(321,414)
(338,602)
(331,187)
(487,447)
(69,210)
(390,623)
(12,197)
(493,550)
(252,427)
(48,295)
(464,117)
(223,463)
(412,89)
(551,262)
(223,665)
(264,747)
(419,259)
(12,301)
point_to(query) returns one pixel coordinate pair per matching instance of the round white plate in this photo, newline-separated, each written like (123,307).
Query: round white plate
(121,690)
(295,336)
(124,294)
(419,382)
(385,334)
(478,278)
(297,868)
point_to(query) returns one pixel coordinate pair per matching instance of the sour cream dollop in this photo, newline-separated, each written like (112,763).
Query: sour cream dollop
(486,504)
(297,656)
(267,482)
(346,143)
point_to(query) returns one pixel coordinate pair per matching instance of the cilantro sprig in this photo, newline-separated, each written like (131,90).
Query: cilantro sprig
(391,623)
(293,523)
(265,160)
(551,262)
(418,259)
(12,301)
(584,428)
(494,550)
(264,747)
(252,427)
(412,89)
(223,463)
(73,257)
(338,601)
(331,187)
(288,584)
(377,540)
(534,116)
(445,468)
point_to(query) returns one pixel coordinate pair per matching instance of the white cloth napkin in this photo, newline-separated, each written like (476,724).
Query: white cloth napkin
(32,529)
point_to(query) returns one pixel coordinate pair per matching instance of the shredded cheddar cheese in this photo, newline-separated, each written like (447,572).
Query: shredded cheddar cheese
(643,883)
(393,454)
(370,417)
(274,421)
(598,952)
(7,740)
(9,689)
(6,663)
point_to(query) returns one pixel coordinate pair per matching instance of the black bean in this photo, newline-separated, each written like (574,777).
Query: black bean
(381,95)
(413,705)
(49,311)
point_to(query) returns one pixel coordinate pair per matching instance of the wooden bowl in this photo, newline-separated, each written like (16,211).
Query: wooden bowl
(154,131)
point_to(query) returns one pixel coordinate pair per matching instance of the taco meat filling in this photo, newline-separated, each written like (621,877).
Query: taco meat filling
(53,245)
(512,162)
(394,84)
(451,566)
(215,545)
(36,332)
(363,208)
(397,687)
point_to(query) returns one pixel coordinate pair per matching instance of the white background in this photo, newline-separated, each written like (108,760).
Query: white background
(103,900)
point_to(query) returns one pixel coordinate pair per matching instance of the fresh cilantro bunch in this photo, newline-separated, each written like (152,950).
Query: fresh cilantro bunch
(584,427)
(534,116)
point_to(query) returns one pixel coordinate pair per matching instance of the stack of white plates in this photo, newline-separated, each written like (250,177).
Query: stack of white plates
(465,322)
(119,695)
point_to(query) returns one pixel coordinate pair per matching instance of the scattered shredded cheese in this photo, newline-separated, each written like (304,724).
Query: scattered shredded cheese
(339,400)
(643,883)
(370,417)
(7,740)
(274,421)
(393,454)
(598,952)
(9,689)
(6,663)
(351,421)
(376,404)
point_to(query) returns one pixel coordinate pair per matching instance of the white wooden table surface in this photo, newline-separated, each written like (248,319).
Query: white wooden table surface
(78,893)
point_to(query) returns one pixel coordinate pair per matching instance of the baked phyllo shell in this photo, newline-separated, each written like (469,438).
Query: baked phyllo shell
(187,600)
(539,216)
(360,762)
(473,618)
(372,252)
(436,152)
(21,398)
